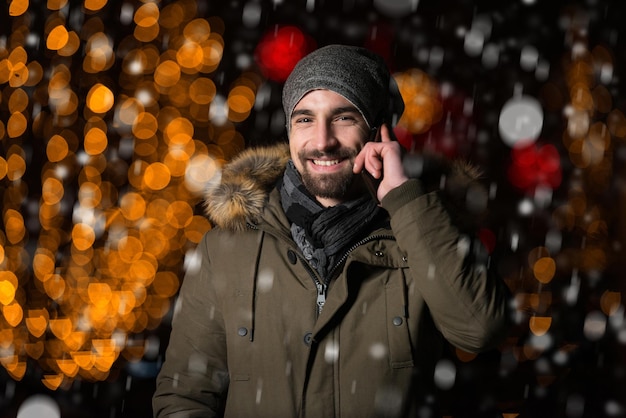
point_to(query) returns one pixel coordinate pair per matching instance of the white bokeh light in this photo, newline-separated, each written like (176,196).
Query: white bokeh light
(39,406)
(331,352)
(521,121)
(445,374)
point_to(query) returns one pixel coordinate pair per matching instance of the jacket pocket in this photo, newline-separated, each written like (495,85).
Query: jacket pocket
(400,348)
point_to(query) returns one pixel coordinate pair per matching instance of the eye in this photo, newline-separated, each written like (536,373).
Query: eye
(345,120)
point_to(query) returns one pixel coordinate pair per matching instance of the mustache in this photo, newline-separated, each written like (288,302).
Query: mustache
(334,154)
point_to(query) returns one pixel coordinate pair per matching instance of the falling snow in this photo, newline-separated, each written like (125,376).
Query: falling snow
(533,93)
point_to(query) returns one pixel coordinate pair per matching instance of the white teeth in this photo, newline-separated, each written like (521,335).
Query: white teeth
(325,162)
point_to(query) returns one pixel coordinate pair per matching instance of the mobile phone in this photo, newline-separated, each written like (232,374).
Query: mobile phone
(370,182)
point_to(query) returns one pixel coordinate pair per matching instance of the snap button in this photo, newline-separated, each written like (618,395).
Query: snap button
(243,331)
(405,258)
(308,338)
(397,321)
(379,254)
(291,255)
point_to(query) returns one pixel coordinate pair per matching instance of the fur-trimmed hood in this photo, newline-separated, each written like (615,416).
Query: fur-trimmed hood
(240,194)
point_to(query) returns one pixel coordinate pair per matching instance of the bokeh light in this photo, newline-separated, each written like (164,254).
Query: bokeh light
(533,166)
(280,49)
(521,121)
(116,208)
(114,117)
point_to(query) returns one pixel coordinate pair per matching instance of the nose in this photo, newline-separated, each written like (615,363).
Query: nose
(324,137)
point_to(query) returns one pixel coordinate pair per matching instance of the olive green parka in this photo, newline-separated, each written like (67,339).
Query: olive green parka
(248,339)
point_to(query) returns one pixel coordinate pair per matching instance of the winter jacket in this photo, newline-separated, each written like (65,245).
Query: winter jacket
(248,341)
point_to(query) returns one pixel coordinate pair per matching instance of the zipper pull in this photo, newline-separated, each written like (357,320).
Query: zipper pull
(321,296)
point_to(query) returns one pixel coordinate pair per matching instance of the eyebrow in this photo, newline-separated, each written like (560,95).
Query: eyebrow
(335,111)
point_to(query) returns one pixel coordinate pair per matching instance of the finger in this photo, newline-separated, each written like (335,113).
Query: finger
(366,159)
(373,163)
(385,135)
(358,165)
(359,162)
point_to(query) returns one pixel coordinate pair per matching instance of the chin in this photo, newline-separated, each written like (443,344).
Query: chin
(330,187)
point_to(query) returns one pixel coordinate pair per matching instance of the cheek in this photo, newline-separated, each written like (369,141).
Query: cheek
(357,143)
(356,138)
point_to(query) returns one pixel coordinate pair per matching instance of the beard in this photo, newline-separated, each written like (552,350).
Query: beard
(328,186)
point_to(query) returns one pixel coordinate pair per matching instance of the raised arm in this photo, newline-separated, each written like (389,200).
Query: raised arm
(468,303)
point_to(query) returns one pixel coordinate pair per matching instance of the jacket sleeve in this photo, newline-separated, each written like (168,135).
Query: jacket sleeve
(469,305)
(194,378)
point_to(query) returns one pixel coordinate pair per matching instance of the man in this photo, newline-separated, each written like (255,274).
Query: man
(312,299)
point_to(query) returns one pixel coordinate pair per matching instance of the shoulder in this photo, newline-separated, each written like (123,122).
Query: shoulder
(458,183)
(221,241)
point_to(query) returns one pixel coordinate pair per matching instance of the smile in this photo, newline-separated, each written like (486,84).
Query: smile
(326,163)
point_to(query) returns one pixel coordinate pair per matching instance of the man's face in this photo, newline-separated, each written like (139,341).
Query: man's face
(327,132)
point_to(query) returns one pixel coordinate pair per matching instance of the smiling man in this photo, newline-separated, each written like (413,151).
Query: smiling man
(313,298)
(327,133)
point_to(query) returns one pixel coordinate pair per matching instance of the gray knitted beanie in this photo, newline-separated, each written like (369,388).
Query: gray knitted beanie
(356,73)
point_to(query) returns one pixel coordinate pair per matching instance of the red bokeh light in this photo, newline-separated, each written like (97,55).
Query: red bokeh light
(404,137)
(280,49)
(533,166)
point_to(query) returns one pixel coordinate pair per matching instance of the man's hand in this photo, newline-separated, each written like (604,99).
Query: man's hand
(382,159)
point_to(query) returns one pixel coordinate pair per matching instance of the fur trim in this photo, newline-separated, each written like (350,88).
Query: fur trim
(239,196)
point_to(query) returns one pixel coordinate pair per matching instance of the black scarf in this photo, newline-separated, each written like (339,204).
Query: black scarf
(322,233)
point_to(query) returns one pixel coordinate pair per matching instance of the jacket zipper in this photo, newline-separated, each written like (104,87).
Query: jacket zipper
(319,285)
(322,287)
(321,295)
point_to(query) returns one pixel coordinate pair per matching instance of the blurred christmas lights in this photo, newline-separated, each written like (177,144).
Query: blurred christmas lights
(124,166)
(109,136)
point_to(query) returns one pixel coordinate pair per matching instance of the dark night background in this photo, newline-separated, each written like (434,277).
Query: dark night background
(576,371)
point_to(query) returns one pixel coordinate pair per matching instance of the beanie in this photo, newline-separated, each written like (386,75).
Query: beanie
(356,73)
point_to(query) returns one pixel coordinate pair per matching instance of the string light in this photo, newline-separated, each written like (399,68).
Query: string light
(128,144)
